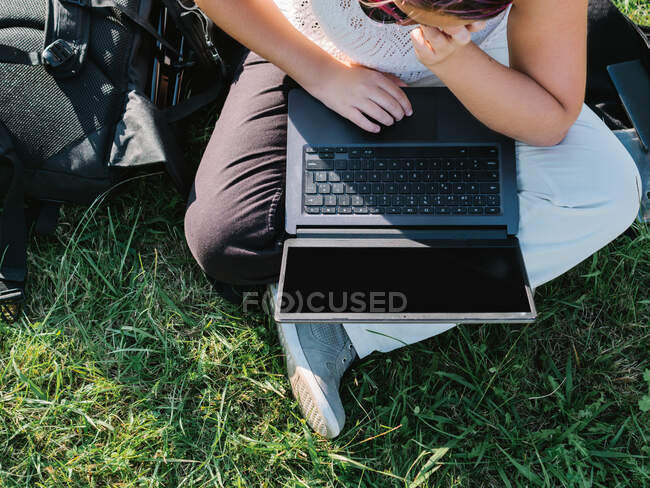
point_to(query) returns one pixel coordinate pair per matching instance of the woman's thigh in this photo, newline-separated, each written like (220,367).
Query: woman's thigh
(574,197)
(234,223)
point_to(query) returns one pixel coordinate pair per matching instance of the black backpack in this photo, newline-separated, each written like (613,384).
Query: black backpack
(77,113)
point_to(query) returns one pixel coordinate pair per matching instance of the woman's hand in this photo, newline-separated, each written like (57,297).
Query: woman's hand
(433,45)
(356,93)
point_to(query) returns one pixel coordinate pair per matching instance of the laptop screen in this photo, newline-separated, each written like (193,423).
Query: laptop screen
(376,280)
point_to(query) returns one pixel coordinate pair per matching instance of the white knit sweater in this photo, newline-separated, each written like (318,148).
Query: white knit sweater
(341,28)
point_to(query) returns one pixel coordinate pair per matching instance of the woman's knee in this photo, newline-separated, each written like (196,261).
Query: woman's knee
(217,243)
(611,184)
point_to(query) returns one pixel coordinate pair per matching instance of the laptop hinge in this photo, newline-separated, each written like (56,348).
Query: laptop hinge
(447,233)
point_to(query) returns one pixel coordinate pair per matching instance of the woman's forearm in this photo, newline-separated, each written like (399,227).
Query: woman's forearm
(506,100)
(260,26)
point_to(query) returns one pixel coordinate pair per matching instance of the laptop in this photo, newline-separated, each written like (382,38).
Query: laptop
(415,224)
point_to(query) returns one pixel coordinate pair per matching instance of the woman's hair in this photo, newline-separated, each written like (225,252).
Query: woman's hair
(465,9)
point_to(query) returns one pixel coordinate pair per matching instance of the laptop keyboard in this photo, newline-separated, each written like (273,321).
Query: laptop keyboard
(440,180)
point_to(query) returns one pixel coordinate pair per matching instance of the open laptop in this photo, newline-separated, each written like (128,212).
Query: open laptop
(414,224)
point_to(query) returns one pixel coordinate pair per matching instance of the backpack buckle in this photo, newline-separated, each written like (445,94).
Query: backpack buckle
(57,54)
(11,301)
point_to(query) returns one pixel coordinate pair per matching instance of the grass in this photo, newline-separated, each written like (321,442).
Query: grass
(128,370)
(638,10)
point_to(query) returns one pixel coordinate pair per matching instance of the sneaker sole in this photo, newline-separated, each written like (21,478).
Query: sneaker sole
(311,399)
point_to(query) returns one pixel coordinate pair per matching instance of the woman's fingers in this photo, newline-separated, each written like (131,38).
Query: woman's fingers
(371,108)
(476,26)
(389,85)
(459,34)
(355,116)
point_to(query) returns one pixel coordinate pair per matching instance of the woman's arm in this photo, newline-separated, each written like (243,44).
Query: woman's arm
(351,91)
(539,97)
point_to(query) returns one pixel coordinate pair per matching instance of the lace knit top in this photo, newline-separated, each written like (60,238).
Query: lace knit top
(341,28)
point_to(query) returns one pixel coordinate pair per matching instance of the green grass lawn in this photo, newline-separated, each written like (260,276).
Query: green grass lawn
(638,10)
(128,370)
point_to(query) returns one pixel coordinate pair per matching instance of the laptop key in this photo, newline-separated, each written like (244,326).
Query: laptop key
(360,210)
(475,210)
(459,210)
(341,164)
(313,201)
(318,164)
(343,200)
(337,188)
(409,210)
(383,200)
(320,177)
(391,188)
(347,176)
(387,176)
(449,200)
(357,200)
(425,210)
(312,210)
(310,188)
(344,210)
(329,210)
(445,188)
(376,210)
(330,200)
(482,151)
(324,188)
(364,188)
(492,200)
(333,176)
(492,211)
(489,188)
(393,210)
(378,188)
(404,187)
(473,188)
(463,199)
(443,210)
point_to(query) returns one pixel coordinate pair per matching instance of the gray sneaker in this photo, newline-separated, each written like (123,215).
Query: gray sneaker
(317,355)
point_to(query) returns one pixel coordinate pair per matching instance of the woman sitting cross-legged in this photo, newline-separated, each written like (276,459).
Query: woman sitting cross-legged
(519,67)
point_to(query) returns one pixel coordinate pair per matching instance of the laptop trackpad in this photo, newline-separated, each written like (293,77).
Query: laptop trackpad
(417,280)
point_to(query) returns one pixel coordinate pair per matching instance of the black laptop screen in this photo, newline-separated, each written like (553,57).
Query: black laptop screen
(404,280)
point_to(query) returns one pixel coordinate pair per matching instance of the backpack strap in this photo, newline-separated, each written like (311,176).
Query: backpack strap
(13,233)
(67,31)
(67,34)
(66,37)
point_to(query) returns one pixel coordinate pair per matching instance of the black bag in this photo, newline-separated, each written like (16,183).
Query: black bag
(76,109)
(612,38)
